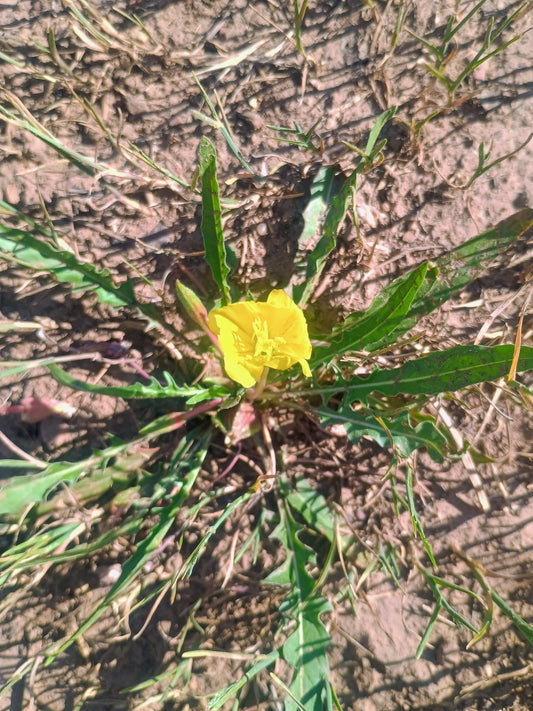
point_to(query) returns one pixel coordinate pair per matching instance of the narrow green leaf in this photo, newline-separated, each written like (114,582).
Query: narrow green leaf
(339,203)
(429,629)
(14,367)
(194,449)
(439,372)
(215,248)
(225,694)
(449,585)
(322,190)
(82,162)
(305,648)
(524,628)
(372,328)
(403,302)
(23,555)
(334,219)
(188,565)
(65,267)
(171,389)
(20,491)
(17,464)
(398,433)
(384,118)
(221,124)
(470,261)
(313,507)
(415,518)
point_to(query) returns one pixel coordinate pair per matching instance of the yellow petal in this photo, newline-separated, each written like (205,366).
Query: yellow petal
(279,298)
(246,375)
(305,368)
(255,335)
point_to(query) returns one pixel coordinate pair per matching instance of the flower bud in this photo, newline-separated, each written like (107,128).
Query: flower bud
(192,304)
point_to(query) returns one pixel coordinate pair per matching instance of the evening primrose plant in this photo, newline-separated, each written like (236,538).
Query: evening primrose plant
(272,357)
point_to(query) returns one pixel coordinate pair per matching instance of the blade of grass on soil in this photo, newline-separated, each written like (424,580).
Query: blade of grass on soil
(472,260)
(222,125)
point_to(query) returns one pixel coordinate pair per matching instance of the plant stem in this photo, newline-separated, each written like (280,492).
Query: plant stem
(258,390)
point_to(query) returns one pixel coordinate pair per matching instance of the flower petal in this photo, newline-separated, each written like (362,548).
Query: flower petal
(255,335)
(247,375)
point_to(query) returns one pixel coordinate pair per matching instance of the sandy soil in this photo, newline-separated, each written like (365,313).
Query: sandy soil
(410,208)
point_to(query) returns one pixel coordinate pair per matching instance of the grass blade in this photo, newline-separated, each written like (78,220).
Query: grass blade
(370,148)
(222,125)
(225,694)
(470,261)
(316,261)
(193,450)
(339,204)
(415,518)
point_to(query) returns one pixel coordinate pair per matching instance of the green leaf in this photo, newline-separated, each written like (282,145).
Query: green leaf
(370,149)
(305,648)
(316,261)
(305,651)
(415,518)
(193,450)
(372,328)
(65,267)
(171,389)
(441,603)
(339,203)
(400,433)
(20,491)
(398,308)
(18,464)
(322,190)
(525,629)
(470,261)
(225,694)
(221,124)
(439,372)
(215,249)
(187,567)
(313,508)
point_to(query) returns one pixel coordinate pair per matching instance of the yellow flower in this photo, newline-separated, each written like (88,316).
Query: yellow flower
(257,335)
